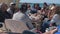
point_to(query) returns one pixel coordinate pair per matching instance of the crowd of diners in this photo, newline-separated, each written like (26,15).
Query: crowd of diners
(33,17)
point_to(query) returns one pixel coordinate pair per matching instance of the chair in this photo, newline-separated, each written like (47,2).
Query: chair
(2,27)
(15,26)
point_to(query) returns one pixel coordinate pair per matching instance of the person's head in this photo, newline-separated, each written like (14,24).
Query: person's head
(12,5)
(4,7)
(53,9)
(28,6)
(45,5)
(36,6)
(17,9)
(53,4)
(23,8)
(57,10)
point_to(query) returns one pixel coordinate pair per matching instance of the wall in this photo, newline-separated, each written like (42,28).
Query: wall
(9,1)
(6,1)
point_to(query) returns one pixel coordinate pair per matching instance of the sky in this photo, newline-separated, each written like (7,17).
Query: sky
(40,1)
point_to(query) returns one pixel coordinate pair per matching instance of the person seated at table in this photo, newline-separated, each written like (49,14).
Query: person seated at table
(56,17)
(22,16)
(3,13)
(11,9)
(46,21)
(36,7)
(28,9)
(45,5)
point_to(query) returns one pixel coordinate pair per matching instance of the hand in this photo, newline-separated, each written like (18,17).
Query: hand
(51,32)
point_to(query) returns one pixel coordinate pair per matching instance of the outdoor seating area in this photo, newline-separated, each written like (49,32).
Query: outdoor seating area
(29,17)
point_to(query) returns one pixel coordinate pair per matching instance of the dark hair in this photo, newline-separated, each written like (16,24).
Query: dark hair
(54,4)
(23,7)
(45,3)
(57,10)
(36,4)
(3,4)
(28,5)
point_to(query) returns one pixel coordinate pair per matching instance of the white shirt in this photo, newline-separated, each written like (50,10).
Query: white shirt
(9,11)
(56,19)
(18,16)
(27,12)
(23,17)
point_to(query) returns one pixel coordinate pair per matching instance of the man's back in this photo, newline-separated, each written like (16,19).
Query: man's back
(24,18)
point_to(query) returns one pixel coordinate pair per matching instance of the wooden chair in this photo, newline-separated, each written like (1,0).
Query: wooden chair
(15,26)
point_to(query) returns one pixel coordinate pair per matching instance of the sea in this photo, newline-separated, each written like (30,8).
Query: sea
(40,4)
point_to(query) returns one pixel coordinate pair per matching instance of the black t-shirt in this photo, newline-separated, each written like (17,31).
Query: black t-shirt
(4,15)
